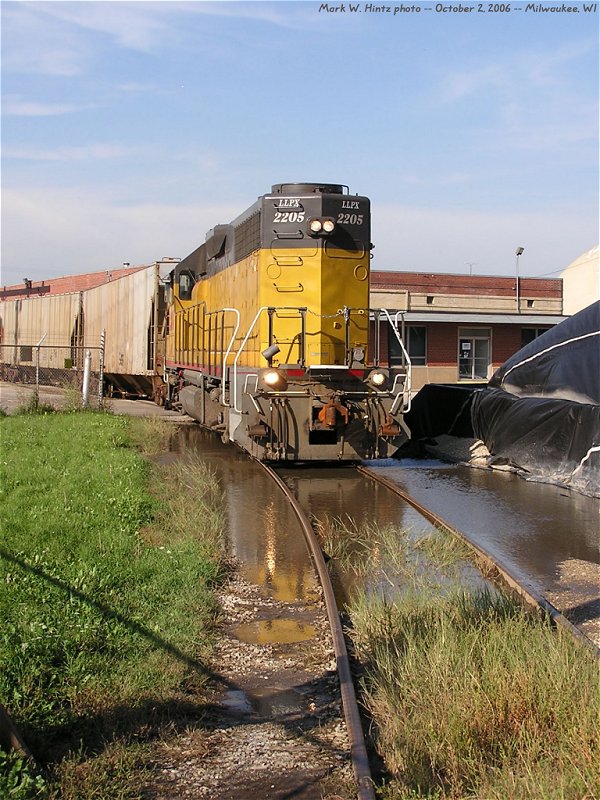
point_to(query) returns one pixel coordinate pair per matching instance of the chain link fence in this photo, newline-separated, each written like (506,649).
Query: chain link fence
(67,367)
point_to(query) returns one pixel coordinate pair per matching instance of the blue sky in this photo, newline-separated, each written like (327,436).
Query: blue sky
(131,128)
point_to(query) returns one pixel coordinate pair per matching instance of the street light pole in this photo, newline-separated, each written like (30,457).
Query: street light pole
(518,252)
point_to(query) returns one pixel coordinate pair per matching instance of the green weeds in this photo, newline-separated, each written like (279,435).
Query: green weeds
(106,593)
(403,559)
(472,696)
(17,779)
(33,406)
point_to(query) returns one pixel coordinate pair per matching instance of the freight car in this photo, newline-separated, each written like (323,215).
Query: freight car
(269,338)
(47,328)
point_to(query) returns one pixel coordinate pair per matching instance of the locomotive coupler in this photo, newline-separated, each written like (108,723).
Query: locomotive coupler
(329,413)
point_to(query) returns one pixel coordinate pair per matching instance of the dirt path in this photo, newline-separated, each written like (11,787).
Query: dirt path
(273,724)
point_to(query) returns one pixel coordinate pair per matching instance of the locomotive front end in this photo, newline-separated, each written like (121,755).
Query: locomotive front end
(275,344)
(321,392)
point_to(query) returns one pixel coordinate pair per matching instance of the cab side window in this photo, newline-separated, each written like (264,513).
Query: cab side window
(185,286)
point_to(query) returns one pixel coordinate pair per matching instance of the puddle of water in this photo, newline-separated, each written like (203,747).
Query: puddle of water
(408,463)
(263,532)
(531,528)
(265,702)
(238,701)
(278,703)
(274,631)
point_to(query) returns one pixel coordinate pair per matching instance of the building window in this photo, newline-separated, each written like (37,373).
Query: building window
(416,346)
(473,354)
(529,334)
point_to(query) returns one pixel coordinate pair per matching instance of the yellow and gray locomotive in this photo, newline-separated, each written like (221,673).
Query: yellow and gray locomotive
(270,339)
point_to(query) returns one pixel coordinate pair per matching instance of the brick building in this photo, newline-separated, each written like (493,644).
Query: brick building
(461,328)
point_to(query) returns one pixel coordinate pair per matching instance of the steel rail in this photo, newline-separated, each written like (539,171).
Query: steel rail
(358,750)
(11,737)
(532,597)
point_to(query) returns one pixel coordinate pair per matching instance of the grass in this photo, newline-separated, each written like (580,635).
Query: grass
(473,697)
(400,558)
(108,572)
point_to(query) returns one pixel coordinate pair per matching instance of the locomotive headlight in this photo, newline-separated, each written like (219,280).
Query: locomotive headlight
(377,378)
(321,226)
(273,379)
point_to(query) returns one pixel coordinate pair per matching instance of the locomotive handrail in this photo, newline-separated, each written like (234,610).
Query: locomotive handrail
(228,351)
(238,354)
(243,345)
(408,383)
(184,314)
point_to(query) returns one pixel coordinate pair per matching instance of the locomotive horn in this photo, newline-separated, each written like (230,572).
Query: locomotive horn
(270,351)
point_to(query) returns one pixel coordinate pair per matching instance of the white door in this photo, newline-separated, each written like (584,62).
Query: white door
(473,356)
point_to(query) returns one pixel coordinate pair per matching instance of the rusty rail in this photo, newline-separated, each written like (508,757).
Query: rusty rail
(529,595)
(10,736)
(358,750)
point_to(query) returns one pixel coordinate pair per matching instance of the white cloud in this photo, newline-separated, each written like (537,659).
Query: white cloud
(136,26)
(33,44)
(50,38)
(16,106)
(441,240)
(281,13)
(460,85)
(89,152)
(535,99)
(48,233)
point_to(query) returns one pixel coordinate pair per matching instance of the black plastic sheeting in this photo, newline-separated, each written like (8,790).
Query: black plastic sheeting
(539,413)
(442,408)
(564,362)
(548,439)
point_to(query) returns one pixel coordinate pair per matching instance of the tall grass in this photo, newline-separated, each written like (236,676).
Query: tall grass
(403,558)
(106,592)
(471,696)
(475,698)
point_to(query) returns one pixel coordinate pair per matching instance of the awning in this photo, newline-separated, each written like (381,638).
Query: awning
(411,317)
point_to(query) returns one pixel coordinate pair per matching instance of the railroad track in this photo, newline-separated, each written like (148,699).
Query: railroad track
(500,574)
(358,750)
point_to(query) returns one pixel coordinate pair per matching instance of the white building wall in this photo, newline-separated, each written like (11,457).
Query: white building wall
(581,282)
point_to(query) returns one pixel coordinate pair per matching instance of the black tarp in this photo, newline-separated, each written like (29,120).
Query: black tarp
(441,408)
(541,410)
(564,362)
(545,438)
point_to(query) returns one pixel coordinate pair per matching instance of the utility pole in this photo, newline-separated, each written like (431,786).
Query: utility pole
(518,253)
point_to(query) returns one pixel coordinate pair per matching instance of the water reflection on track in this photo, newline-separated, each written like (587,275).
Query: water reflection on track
(263,532)
(534,528)
(546,536)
